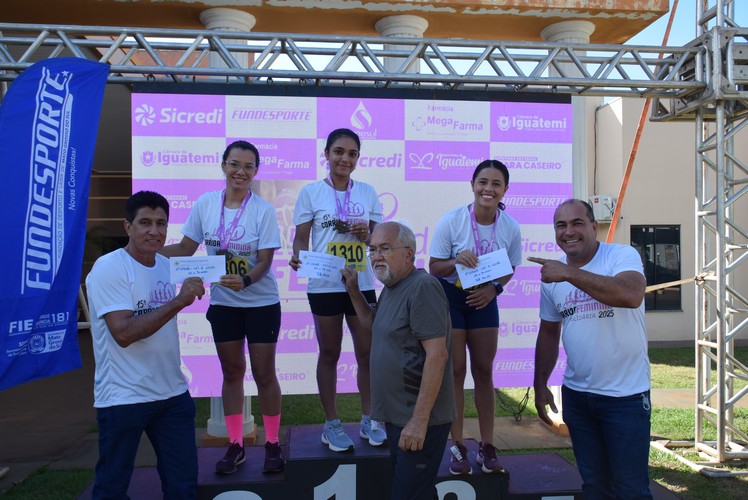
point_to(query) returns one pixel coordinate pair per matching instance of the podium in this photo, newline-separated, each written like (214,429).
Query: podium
(314,472)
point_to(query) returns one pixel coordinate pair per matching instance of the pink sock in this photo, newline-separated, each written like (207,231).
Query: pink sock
(235,426)
(272,426)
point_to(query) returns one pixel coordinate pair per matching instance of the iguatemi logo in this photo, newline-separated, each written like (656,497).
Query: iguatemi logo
(147,158)
(503,123)
(530,123)
(145,115)
(167,157)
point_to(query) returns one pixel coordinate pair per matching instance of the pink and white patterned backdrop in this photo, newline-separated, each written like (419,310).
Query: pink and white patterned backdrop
(418,154)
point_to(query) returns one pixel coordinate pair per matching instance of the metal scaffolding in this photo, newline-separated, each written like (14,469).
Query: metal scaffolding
(705,81)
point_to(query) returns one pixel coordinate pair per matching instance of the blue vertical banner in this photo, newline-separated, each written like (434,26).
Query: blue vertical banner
(48,124)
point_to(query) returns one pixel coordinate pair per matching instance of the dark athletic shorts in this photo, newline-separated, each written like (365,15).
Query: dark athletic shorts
(465,317)
(259,325)
(334,303)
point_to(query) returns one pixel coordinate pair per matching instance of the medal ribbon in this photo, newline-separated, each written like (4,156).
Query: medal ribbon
(223,235)
(476,236)
(342,209)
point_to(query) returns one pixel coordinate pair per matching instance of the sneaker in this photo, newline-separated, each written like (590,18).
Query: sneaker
(234,457)
(488,459)
(273,458)
(371,430)
(459,464)
(335,437)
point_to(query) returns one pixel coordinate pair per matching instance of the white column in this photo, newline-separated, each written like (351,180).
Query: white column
(574,32)
(217,422)
(404,26)
(222,19)
(232,20)
(583,108)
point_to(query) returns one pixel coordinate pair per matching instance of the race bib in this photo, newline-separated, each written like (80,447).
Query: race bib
(354,253)
(236,264)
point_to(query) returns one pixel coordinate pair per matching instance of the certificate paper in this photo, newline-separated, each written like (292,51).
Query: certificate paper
(490,267)
(320,265)
(208,267)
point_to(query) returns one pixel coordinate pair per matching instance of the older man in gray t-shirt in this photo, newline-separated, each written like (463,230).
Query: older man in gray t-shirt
(411,336)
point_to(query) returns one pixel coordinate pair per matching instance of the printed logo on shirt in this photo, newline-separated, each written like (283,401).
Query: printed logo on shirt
(214,240)
(580,306)
(160,295)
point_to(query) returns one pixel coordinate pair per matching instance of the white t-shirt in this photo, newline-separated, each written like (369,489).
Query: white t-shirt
(316,203)
(606,347)
(147,370)
(257,229)
(454,233)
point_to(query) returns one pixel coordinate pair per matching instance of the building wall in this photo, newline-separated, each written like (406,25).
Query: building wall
(661,190)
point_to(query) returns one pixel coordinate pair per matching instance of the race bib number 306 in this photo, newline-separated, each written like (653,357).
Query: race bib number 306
(237,265)
(354,253)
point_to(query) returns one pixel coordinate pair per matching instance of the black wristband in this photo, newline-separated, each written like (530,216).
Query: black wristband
(247,280)
(499,288)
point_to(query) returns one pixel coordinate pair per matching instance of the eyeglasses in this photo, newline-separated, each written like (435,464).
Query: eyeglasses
(384,250)
(235,165)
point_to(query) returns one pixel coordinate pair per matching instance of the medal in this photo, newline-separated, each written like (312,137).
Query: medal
(342,226)
(341,223)
(225,252)
(224,233)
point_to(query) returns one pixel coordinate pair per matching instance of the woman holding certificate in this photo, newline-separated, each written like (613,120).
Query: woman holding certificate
(339,214)
(461,236)
(245,304)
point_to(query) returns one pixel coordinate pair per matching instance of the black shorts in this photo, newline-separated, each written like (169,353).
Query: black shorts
(334,303)
(465,317)
(259,325)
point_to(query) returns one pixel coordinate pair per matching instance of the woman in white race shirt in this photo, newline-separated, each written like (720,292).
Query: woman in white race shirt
(245,304)
(339,214)
(461,236)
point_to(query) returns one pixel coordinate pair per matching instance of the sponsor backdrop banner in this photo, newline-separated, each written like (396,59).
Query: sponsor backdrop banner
(48,124)
(418,154)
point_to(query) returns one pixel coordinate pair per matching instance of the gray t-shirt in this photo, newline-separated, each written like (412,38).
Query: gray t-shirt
(412,310)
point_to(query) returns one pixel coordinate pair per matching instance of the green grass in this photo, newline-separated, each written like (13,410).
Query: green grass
(671,368)
(47,484)
(675,368)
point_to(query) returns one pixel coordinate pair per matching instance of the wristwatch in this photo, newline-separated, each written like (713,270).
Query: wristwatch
(499,287)
(247,280)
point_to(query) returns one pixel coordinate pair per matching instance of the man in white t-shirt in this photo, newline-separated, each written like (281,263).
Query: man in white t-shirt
(138,385)
(594,296)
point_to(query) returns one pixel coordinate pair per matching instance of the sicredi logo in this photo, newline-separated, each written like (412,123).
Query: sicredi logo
(145,115)
(530,123)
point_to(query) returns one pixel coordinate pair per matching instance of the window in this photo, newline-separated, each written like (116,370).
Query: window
(659,247)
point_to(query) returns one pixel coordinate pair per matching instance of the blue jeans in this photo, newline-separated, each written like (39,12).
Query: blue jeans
(169,425)
(414,472)
(610,436)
